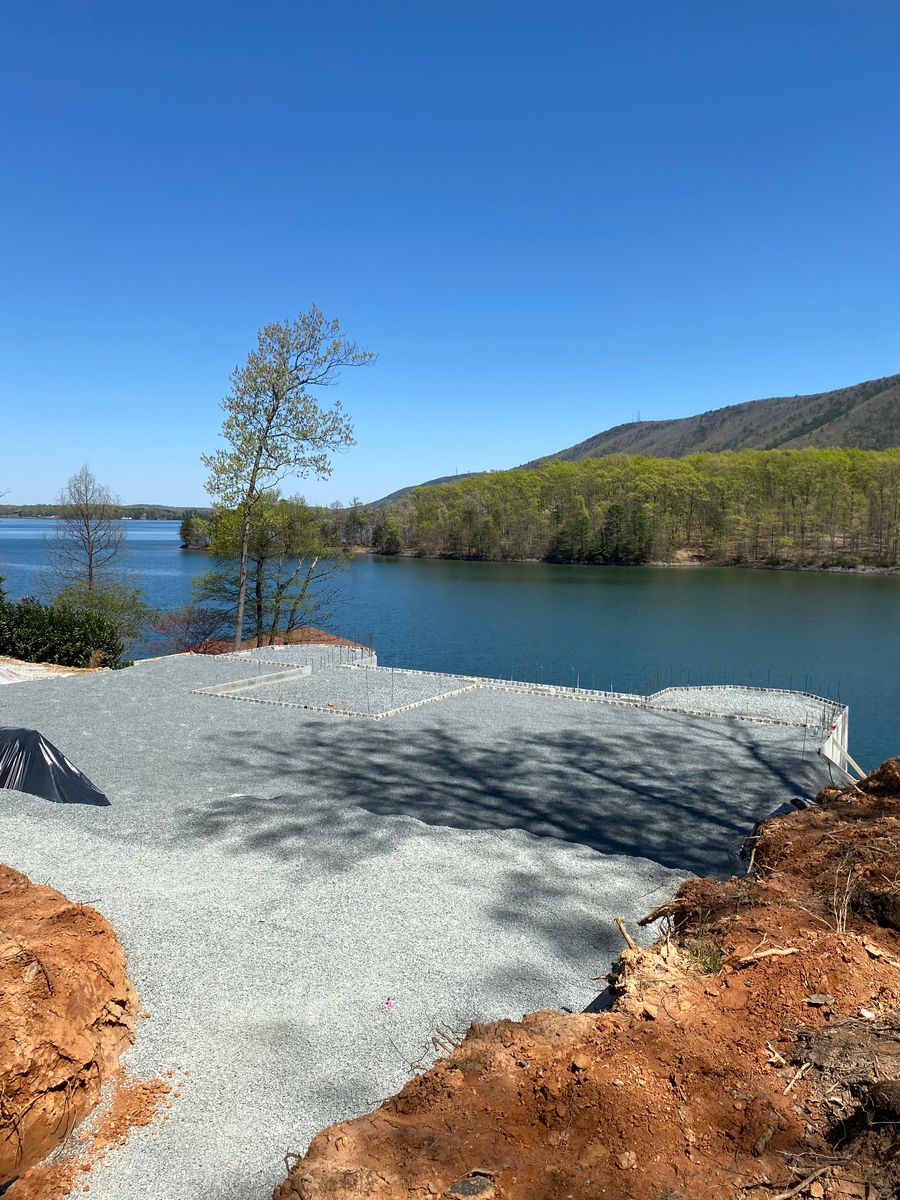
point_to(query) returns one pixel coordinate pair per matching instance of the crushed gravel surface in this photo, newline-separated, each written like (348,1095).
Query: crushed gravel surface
(758,703)
(13,670)
(363,691)
(276,875)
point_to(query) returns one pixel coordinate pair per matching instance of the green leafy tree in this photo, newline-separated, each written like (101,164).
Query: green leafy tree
(625,535)
(834,506)
(194,532)
(293,559)
(358,523)
(386,536)
(274,426)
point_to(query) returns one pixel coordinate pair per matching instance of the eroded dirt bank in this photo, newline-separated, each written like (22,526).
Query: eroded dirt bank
(754,1053)
(67,1011)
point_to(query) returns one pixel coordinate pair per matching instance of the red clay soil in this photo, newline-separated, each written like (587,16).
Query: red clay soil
(306,634)
(67,1011)
(754,1052)
(133,1103)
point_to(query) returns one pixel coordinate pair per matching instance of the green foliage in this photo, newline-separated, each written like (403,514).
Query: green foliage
(386,537)
(796,507)
(56,633)
(351,523)
(274,426)
(194,532)
(122,606)
(293,554)
(86,549)
(707,955)
(626,535)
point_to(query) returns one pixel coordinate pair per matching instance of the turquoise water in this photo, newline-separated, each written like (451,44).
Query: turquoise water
(632,629)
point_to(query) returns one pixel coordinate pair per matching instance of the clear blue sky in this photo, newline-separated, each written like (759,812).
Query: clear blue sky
(543,217)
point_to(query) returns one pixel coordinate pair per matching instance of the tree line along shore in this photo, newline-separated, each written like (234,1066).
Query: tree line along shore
(793,508)
(125,512)
(801,508)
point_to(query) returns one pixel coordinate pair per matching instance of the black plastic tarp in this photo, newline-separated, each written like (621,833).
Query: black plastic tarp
(29,763)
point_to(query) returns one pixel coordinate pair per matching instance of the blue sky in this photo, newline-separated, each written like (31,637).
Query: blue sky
(543,217)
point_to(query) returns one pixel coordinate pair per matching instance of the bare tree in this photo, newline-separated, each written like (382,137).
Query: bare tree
(194,627)
(274,426)
(87,542)
(86,552)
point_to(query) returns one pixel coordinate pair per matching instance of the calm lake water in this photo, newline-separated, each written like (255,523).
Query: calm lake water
(633,629)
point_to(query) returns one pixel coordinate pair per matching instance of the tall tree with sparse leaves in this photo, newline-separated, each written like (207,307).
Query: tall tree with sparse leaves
(274,426)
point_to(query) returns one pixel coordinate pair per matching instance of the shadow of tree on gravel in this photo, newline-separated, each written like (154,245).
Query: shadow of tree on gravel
(332,795)
(672,798)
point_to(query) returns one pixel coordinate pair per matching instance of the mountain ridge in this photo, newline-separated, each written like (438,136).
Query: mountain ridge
(864,416)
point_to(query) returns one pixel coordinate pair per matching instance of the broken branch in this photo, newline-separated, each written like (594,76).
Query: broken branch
(629,940)
(756,956)
(804,1183)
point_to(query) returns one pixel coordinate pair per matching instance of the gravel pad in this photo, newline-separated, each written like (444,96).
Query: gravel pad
(757,703)
(358,691)
(276,876)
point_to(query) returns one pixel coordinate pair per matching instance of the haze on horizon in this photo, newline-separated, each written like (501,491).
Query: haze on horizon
(544,222)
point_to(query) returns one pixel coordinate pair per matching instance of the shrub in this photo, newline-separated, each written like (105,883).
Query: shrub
(55,633)
(123,607)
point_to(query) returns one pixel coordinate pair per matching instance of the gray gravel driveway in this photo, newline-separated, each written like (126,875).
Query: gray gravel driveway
(276,875)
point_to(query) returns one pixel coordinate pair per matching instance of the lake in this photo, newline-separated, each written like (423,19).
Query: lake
(628,628)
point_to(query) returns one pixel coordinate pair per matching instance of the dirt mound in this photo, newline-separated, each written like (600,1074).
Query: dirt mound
(68,1011)
(752,1053)
(885,781)
(132,1103)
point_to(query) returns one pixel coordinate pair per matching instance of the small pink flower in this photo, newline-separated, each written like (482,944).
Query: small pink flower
(388,1005)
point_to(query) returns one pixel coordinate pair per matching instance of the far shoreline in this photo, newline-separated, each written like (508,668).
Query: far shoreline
(861,569)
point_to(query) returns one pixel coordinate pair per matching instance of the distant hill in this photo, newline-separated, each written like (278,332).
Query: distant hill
(865,416)
(134,512)
(401,492)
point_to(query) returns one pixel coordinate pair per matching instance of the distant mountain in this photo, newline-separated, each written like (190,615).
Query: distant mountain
(866,416)
(401,492)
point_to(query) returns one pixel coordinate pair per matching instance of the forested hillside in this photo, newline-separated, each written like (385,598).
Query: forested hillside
(866,416)
(814,507)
